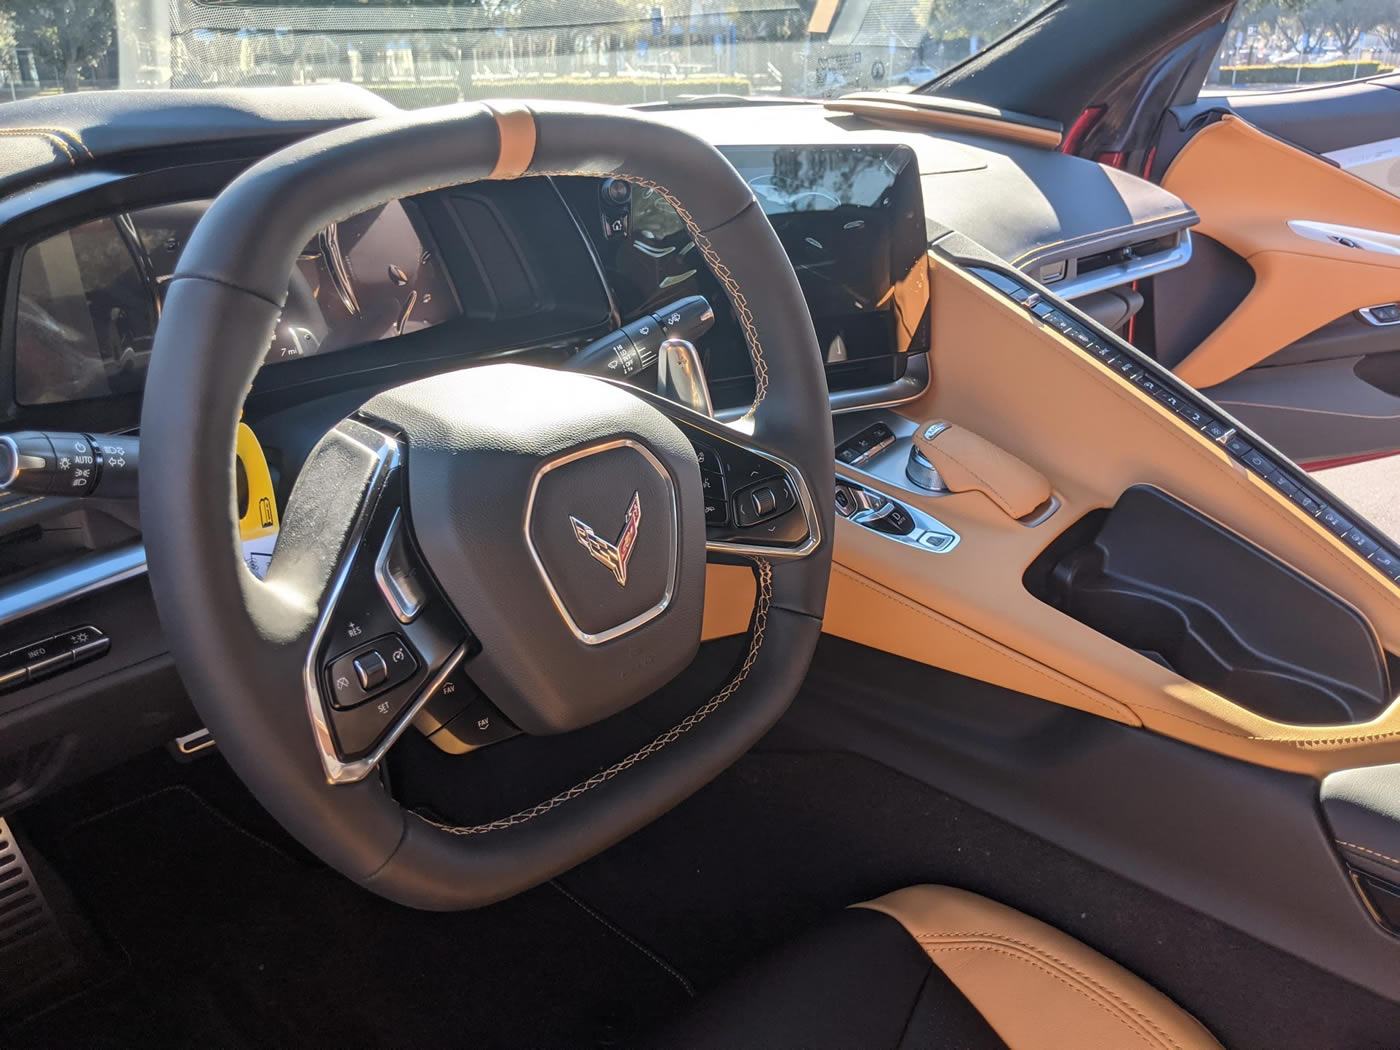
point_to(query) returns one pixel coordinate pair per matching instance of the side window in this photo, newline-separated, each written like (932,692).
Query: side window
(1285,44)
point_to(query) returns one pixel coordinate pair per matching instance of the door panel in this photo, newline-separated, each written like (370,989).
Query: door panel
(1252,192)
(1292,356)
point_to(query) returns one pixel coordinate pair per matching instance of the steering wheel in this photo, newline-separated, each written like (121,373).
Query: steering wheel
(459,535)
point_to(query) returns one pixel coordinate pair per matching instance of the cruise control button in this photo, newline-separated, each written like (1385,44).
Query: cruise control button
(355,676)
(358,730)
(371,670)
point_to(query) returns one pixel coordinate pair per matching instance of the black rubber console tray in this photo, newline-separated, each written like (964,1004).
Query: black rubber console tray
(1157,576)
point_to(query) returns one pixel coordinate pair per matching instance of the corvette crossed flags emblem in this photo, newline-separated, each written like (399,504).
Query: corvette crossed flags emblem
(613,555)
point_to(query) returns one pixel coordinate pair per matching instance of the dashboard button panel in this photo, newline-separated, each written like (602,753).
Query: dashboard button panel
(1167,390)
(45,657)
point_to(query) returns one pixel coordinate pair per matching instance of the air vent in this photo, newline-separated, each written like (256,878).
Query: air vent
(1125,255)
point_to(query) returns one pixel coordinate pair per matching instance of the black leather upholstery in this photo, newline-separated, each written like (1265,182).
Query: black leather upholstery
(858,981)
(1363,807)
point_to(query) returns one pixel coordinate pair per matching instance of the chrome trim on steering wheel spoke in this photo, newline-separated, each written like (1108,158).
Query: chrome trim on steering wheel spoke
(385,451)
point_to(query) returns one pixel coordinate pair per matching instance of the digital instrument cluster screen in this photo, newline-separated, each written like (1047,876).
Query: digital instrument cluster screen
(90,297)
(851,219)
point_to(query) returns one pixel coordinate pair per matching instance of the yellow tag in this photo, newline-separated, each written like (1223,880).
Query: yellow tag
(259,509)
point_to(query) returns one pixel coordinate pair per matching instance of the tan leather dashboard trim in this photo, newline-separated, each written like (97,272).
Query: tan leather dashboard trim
(1093,435)
(904,115)
(1246,185)
(1038,987)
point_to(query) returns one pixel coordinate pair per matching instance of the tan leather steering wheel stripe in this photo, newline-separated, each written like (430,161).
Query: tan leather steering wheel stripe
(516,124)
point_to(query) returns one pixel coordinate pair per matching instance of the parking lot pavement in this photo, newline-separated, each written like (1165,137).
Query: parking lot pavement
(1371,488)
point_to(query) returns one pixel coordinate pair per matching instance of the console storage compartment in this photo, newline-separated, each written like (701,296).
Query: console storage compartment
(1157,576)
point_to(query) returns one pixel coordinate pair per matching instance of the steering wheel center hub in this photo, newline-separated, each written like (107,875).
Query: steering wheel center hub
(563,519)
(601,525)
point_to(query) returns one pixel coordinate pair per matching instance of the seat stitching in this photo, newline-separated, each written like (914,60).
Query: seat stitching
(717,266)
(1044,961)
(760,624)
(1363,849)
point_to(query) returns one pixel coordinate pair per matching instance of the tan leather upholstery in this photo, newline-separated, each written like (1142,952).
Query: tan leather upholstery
(1246,185)
(729,599)
(1093,435)
(1040,989)
(516,125)
(968,462)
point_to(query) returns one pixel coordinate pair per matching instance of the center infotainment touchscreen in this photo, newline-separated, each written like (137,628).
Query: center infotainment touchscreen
(851,219)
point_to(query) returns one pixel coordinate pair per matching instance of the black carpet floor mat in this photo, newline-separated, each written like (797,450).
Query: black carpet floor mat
(221,937)
(223,932)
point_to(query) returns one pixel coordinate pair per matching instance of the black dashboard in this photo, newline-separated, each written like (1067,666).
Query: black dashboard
(540,269)
(540,266)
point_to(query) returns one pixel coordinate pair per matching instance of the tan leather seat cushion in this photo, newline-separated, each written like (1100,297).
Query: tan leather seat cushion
(1039,988)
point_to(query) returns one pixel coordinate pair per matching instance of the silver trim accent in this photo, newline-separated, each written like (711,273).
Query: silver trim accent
(193,743)
(1125,273)
(680,377)
(53,587)
(386,455)
(1366,315)
(1051,506)
(9,443)
(405,610)
(329,240)
(921,472)
(672,568)
(804,500)
(925,524)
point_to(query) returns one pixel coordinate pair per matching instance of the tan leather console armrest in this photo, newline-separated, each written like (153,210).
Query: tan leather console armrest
(969,463)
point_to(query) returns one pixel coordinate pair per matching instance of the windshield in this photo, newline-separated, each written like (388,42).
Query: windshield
(430,52)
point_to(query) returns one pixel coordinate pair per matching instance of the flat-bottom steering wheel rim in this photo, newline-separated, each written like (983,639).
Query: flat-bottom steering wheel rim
(240,644)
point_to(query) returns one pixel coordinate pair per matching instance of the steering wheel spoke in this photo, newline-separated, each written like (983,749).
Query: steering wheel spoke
(757,503)
(387,650)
